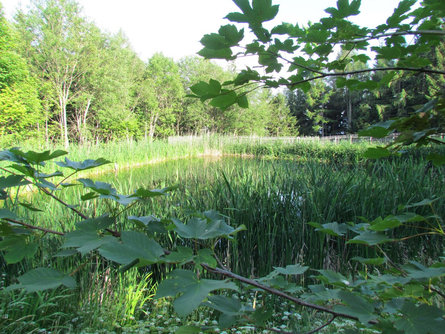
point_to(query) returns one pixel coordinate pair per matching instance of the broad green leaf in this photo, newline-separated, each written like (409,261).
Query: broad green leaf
(200,228)
(376,153)
(134,245)
(100,187)
(370,261)
(223,304)
(206,256)
(46,184)
(26,170)
(243,102)
(333,277)
(375,132)
(226,320)
(193,290)
(66,253)
(231,34)
(214,87)
(262,315)
(215,42)
(356,306)
(388,223)
(89,196)
(188,330)
(150,223)
(82,165)
(424,202)
(421,319)
(12,181)
(224,100)
(334,228)
(181,256)
(436,159)
(208,53)
(145,194)
(370,238)
(30,207)
(38,158)
(16,248)
(417,271)
(293,269)
(43,279)
(5,213)
(201,88)
(46,176)
(84,241)
(96,224)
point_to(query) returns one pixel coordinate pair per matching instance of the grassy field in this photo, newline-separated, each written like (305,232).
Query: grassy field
(275,197)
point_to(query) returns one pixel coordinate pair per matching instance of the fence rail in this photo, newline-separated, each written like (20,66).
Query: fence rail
(353,138)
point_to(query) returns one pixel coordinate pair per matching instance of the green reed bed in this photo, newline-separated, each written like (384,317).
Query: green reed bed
(277,199)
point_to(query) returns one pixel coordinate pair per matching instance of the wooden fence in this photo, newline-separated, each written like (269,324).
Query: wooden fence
(353,138)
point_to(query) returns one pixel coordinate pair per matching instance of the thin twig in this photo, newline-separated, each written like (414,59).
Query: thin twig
(276,292)
(322,326)
(437,291)
(80,214)
(401,33)
(343,74)
(33,227)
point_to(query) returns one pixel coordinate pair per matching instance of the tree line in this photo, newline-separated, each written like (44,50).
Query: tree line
(63,79)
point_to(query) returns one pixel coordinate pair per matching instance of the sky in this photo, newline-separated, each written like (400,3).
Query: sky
(174,27)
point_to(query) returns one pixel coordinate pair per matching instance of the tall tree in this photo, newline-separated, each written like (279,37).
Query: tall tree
(56,40)
(20,107)
(160,95)
(115,85)
(198,117)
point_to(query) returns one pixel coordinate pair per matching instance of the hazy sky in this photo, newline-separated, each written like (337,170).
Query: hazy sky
(174,27)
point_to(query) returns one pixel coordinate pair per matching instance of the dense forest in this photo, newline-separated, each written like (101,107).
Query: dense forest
(63,79)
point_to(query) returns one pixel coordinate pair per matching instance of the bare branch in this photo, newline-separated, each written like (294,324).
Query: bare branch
(399,33)
(322,326)
(276,292)
(343,74)
(32,227)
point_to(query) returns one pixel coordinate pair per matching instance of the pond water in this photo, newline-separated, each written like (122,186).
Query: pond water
(275,200)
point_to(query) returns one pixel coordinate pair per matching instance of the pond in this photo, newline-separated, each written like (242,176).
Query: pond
(275,200)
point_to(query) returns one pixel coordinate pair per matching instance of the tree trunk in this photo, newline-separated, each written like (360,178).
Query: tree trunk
(349,110)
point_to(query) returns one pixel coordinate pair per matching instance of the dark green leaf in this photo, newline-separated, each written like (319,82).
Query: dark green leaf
(30,207)
(135,245)
(421,319)
(376,153)
(293,269)
(193,290)
(12,181)
(355,306)
(370,238)
(370,261)
(208,53)
(206,256)
(188,330)
(224,100)
(227,305)
(243,102)
(183,255)
(199,228)
(82,165)
(43,279)
(16,248)
(436,159)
